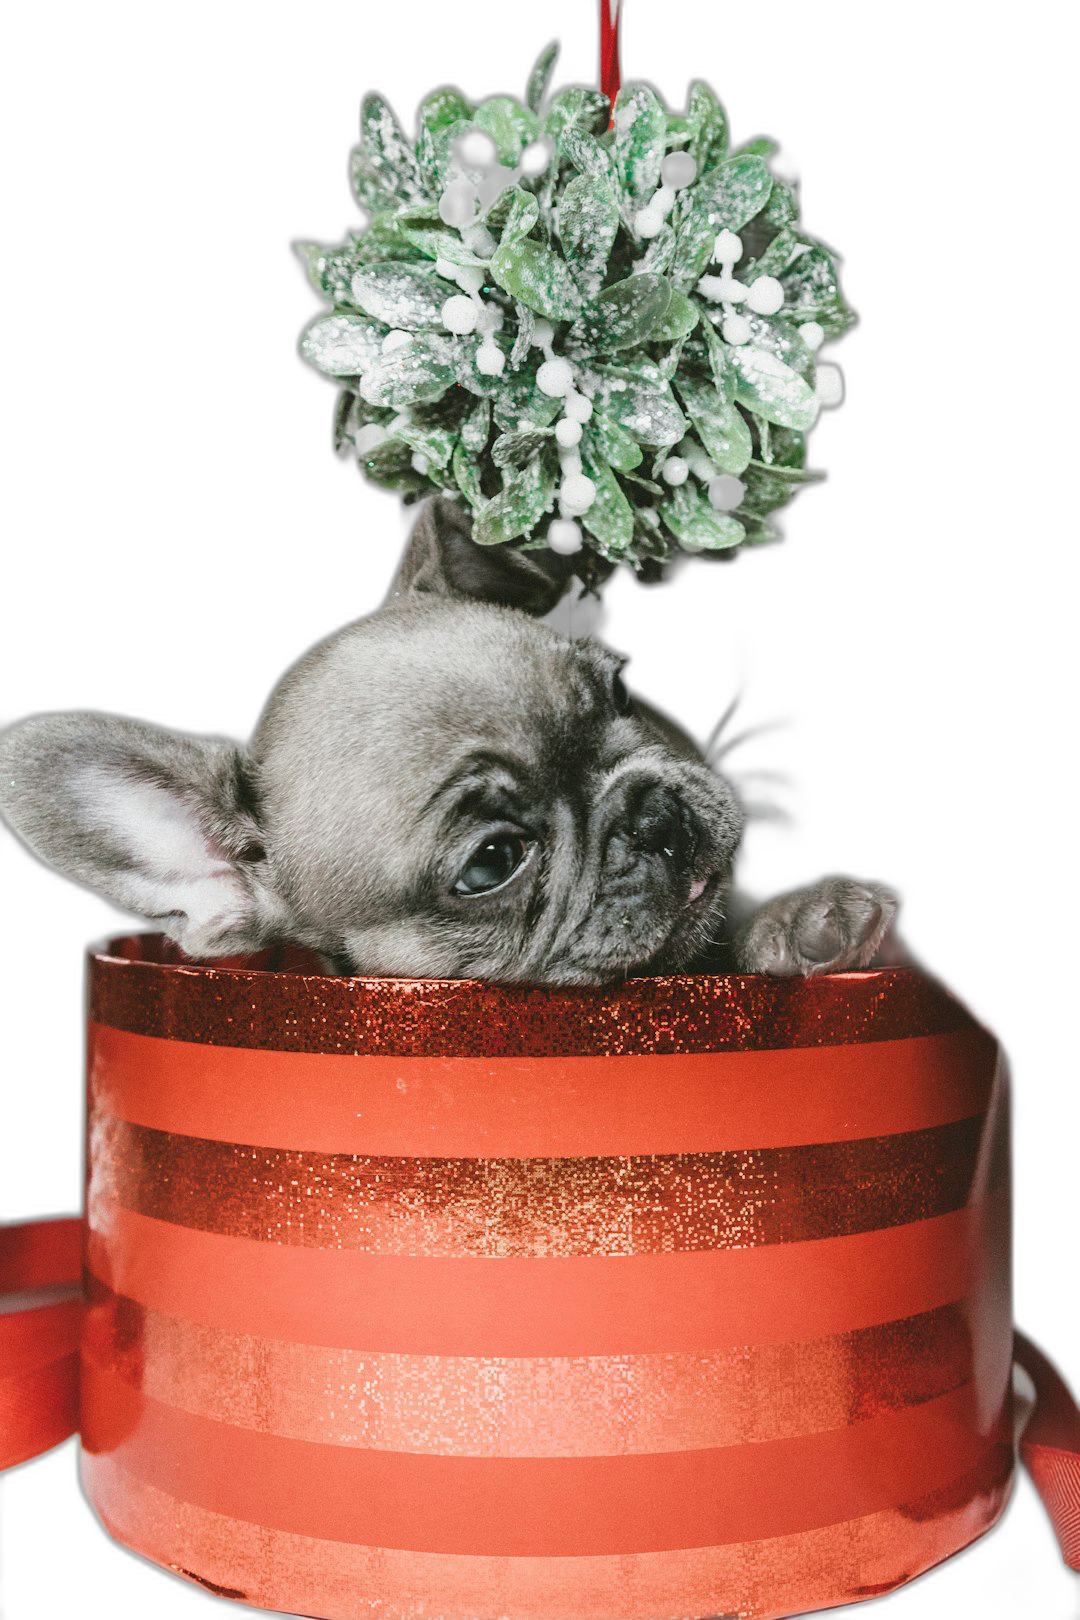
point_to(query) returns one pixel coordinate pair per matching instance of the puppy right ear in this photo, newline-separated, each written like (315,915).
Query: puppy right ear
(161,824)
(443,559)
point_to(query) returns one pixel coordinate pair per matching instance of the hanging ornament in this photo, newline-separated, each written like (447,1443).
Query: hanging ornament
(593,321)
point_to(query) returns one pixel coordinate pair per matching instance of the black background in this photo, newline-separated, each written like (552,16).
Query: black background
(185,532)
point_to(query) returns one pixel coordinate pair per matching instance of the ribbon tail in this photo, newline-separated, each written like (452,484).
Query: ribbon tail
(1050,1447)
(40,1317)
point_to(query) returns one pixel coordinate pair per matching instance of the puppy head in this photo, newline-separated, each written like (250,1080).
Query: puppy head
(446,789)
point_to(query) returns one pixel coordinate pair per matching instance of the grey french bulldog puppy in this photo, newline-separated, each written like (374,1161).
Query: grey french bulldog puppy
(448,788)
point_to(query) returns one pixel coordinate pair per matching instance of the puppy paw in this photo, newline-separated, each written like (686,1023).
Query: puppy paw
(832,926)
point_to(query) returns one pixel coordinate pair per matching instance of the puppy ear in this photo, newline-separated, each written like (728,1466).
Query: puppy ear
(159,823)
(442,559)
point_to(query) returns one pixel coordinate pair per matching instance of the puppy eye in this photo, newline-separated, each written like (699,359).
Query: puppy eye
(492,865)
(619,695)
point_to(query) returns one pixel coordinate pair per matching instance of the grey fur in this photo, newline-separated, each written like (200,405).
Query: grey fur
(384,759)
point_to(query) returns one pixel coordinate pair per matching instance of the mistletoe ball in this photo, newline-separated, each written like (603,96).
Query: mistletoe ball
(599,327)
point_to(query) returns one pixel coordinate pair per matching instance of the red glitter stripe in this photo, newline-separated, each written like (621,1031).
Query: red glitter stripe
(146,988)
(553,1507)
(540,1106)
(581,1306)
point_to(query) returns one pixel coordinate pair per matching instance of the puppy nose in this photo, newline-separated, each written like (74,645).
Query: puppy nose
(661,825)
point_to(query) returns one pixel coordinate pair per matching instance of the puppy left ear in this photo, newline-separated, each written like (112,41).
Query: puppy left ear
(159,823)
(443,559)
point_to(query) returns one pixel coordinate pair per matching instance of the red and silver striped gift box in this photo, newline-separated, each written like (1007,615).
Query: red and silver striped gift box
(416,1298)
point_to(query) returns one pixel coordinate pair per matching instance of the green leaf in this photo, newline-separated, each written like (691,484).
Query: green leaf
(721,427)
(723,373)
(782,207)
(390,464)
(588,225)
(522,214)
(812,292)
(417,373)
(775,259)
(734,193)
(624,315)
(610,518)
(433,440)
(518,507)
(466,473)
(781,339)
(613,444)
(400,294)
(341,345)
(695,238)
(511,126)
(526,330)
(640,138)
(698,525)
(588,109)
(435,243)
(389,156)
(660,253)
(476,427)
(367,186)
(762,146)
(678,322)
(519,404)
(516,449)
(708,126)
(769,388)
(330,270)
(646,410)
(539,277)
(587,155)
(769,487)
(540,77)
(444,107)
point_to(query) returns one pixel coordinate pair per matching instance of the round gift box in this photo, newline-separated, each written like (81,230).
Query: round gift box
(688,1298)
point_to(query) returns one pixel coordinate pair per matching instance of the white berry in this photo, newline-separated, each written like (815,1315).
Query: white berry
(395,340)
(676,471)
(570,461)
(576,494)
(829,384)
(722,289)
(726,492)
(678,170)
(476,150)
(728,248)
(568,433)
(470,277)
(648,222)
(490,360)
(537,156)
(578,407)
(664,199)
(555,378)
(812,334)
(420,463)
(479,240)
(766,295)
(736,330)
(460,315)
(447,269)
(564,536)
(369,438)
(543,335)
(458,203)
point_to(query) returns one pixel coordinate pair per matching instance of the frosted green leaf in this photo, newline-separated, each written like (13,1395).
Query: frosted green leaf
(385,239)
(694,241)
(341,345)
(435,151)
(330,270)
(775,258)
(812,291)
(511,126)
(640,137)
(647,411)
(468,374)
(762,146)
(522,213)
(708,127)
(518,507)
(588,224)
(623,316)
(432,440)
(732,194)
(610,519)
(367,186)
(466,471)
(697,524)
(540,78)
(389,156)
(678,322)
(782,207)
(532,272)
(526,328)
(476,427)
(660,254)
(722,428)
(417,373)
(770,487)
(782,340)
(519,404)
(723,374)
(400,295)
(587,155)
(390,464)
(516,449)
(443,107)
(435,243)
(588,109)
(761,533)
(613,444)
(772,390)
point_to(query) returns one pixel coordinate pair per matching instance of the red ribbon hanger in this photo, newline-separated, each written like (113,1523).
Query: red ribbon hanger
(610,72)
